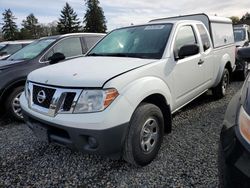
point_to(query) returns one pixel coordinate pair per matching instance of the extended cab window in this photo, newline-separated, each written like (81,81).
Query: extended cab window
(204,37)
(70,47)
(91,41)
(185,36)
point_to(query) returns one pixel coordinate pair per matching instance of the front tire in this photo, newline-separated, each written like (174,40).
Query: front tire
(220,90)
(243,73)
(12,104)
(145,135)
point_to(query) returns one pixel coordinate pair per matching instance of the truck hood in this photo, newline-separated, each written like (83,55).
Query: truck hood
(86,71)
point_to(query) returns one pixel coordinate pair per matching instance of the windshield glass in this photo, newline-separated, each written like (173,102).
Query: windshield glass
(10,49)
(239,35)
(146,41)
(32,50)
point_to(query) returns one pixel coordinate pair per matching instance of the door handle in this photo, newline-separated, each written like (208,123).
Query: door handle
(200,62)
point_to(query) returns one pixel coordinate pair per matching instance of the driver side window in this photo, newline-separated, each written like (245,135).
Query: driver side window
(185,36)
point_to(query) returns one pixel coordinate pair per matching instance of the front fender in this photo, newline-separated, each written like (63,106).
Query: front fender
(136,91)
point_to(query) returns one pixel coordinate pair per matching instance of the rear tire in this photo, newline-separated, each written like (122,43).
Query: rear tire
(220,90)
(145,135)
(12,104)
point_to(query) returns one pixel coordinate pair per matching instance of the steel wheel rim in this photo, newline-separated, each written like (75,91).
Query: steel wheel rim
(16,105)
(224,83)
(149,135)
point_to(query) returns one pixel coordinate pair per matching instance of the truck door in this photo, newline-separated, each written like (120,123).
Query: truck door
(188,76)
(207,68)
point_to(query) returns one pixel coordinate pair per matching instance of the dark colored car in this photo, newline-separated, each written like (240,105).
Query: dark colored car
(234,150)
(40,53)
(241,37)
(10,47)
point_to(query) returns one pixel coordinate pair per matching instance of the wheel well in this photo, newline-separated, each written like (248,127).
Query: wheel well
(160,101)
(9,89)
(229,68)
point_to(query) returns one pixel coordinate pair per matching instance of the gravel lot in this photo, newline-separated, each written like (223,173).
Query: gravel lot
(188,157)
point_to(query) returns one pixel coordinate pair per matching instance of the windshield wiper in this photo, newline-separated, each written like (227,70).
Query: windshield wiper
(95,54)
(117,54)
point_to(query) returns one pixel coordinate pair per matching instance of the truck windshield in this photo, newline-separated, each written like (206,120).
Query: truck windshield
(147,41)
(32,50)
(239,35)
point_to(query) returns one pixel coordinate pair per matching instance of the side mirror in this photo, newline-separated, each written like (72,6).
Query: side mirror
(188,50)
(56,57)
(244,54)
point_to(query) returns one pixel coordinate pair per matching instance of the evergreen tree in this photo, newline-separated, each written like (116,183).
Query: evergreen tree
(235,19)
(31,27)
(9,28)
(246,17)
(68,23)
(94,18)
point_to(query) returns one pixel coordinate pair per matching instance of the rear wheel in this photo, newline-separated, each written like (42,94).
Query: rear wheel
(220,90)
(12,104)
(145,135)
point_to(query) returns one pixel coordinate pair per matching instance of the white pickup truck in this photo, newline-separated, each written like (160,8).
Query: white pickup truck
(118,100)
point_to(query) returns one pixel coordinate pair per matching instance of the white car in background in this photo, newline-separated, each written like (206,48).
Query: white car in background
(10,47)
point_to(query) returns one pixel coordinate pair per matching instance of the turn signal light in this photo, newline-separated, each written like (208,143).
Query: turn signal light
(244,124)
(111,94)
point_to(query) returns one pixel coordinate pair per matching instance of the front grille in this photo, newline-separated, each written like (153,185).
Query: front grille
(49,93)
(68,101)
(53,100)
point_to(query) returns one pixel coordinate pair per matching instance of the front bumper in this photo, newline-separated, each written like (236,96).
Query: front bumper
(108,142)
(236,149)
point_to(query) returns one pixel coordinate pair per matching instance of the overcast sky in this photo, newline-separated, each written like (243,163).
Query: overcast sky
(124,12)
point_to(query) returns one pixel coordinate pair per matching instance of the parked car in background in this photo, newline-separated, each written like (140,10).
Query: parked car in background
(118,100)
(10,47)
(40,53)
(241,37)
(234,150)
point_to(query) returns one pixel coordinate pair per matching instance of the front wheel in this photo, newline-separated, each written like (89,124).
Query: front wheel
(220,90)
(145,135)
(243,73)
(12,104)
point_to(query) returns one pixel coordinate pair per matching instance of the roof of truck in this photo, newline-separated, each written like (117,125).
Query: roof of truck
(188,17)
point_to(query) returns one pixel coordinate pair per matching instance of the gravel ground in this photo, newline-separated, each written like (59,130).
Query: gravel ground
(187,158)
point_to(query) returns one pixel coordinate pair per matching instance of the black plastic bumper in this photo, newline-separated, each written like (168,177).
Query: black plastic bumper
(107,142)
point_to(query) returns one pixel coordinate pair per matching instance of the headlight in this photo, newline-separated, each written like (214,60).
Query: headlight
(26,91)
(244,124)
(95,100)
